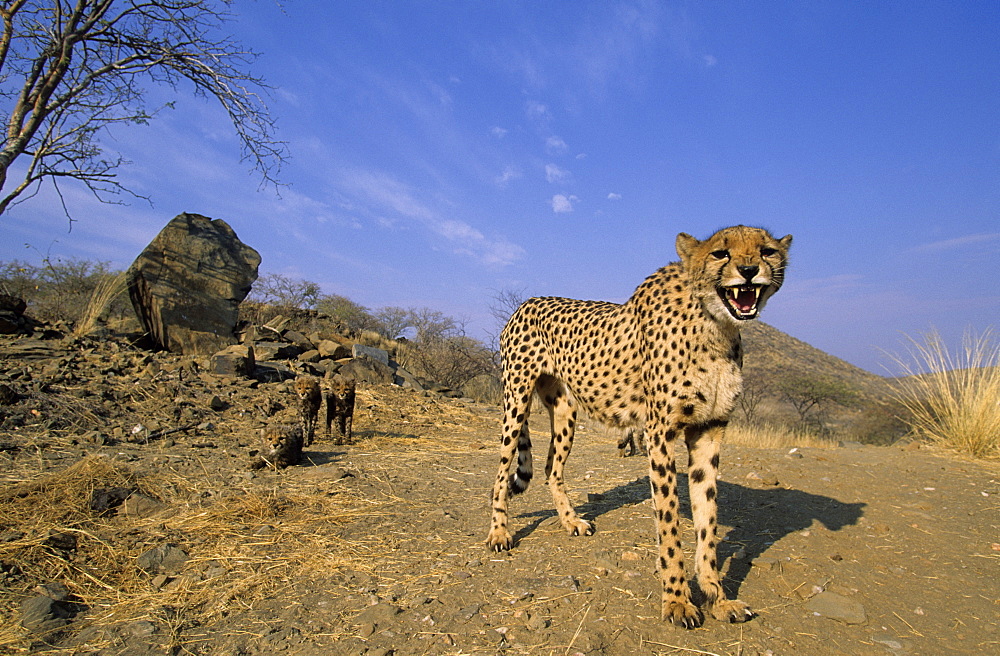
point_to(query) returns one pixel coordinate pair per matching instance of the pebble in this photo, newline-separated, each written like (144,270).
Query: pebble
(887,640)
(837,607)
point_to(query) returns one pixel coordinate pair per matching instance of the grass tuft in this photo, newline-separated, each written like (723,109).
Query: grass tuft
(104,294)
(773,436)
(953,399)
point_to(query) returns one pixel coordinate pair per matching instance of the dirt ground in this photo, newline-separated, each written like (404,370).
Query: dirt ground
(379,547)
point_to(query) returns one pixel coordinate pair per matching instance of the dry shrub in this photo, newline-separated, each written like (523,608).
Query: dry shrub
(771,436)
(952,399)
(105,292)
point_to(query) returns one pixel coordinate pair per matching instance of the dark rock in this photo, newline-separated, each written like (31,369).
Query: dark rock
(187,285)
(164,559)
(298,339)
(377,354)
(272,372)
(364,369)
(7,395)
(43,613)
(105,499)
(331,349)
(268,351)
(238,361)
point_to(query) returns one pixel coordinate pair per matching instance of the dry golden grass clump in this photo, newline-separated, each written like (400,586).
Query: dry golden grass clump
(773,436)
(240,546)
(954,399)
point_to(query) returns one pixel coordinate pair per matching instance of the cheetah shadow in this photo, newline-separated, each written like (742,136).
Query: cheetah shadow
(756,518)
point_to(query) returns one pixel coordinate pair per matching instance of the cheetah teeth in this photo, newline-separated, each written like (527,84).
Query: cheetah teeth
(744,299)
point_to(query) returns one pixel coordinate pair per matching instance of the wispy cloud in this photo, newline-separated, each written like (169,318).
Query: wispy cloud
(509,173)
(386,194)
(537,111)
(556,175)
(555,146)
(957,242)
(614,196)
(498,132)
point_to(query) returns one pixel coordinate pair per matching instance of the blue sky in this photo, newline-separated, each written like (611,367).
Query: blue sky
(441,151)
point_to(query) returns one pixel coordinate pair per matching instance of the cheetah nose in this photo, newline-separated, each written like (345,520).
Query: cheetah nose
(748,272)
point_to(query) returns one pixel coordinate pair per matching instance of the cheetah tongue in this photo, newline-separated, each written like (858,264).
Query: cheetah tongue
(743,299)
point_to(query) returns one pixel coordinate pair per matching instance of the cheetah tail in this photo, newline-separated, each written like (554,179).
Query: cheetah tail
(522,476)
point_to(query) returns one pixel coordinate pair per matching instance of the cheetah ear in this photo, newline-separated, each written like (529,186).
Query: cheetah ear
(786,241)
(685,246)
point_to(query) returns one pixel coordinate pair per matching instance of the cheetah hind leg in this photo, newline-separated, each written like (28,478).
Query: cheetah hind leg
(562,418)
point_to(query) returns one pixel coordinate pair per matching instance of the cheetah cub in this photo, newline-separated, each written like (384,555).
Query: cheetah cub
(311,398)
(632,441)
(340,407)
(281,446)
(666,361)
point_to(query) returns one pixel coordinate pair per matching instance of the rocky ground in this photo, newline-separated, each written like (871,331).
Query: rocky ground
(131,524)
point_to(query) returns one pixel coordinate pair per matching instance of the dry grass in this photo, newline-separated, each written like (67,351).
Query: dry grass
(772,436)
(954,399)
(107,290)
(241,547)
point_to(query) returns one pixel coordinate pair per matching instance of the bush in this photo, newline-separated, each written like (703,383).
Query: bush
(64,290)
(952,399)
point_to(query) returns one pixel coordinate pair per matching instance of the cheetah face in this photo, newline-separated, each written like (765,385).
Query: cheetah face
(304,387)
(735,271)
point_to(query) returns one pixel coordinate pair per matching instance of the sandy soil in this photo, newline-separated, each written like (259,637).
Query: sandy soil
(378,548)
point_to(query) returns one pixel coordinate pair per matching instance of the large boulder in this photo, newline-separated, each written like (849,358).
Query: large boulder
(187,285)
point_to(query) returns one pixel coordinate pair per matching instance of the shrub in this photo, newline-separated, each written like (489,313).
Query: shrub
(953,399)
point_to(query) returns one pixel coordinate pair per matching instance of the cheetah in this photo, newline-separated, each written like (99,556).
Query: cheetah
(668,361)
(311,398)
(631,442)
(281,446)
(340,394)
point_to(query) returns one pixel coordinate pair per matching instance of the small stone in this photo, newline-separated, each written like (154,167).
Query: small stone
(55,591)
(142,629)
(837,607)
(887,640)
(165,558)
(766,564)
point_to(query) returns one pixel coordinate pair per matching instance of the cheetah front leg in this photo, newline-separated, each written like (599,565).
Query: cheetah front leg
(562,419)
(703,451)
(677,606)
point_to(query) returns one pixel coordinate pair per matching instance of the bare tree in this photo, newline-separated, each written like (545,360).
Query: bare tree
(755,389)
(504,303)
(70,69)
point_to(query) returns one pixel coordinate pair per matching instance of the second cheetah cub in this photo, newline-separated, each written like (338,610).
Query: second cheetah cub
(311,398)
(340,407)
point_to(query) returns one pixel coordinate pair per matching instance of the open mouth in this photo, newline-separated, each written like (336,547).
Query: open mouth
(742,301)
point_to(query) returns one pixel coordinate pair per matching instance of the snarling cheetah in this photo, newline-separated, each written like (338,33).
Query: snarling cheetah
(310,399)
(667,360)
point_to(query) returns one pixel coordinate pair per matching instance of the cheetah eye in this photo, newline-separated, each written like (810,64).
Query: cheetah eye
(720,255)
(767,252)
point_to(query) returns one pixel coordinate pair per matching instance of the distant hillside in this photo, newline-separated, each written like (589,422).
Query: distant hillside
(774,355)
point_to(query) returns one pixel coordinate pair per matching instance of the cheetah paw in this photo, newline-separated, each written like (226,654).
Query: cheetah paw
(733,611)
(682,613)
(579,527)
(499,540)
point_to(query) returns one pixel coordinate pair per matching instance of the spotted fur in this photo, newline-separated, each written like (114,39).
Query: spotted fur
(340,393)
(281,446)
(307,388)
(667,360)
